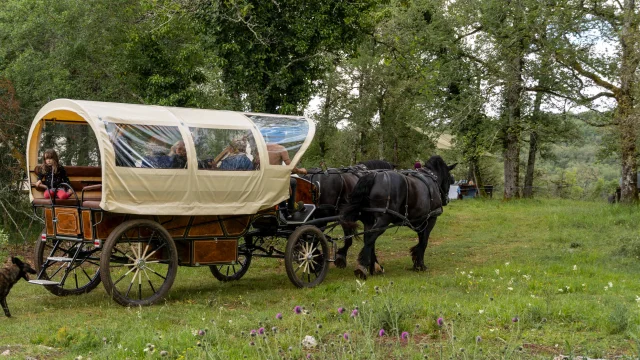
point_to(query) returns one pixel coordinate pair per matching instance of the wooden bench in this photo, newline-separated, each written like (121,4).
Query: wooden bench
(86,182)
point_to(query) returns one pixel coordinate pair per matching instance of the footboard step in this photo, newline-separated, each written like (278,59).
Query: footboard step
(44,282)
(59,259)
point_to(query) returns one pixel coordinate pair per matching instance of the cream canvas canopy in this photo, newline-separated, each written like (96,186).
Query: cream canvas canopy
(184,191)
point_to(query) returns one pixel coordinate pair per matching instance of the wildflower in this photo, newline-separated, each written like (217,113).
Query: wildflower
(610,284)
(481,311)
(381,332)
(575,267)
(510,288)
(253,332)
(478,339)
(261,331)
(297,310)
(164,353)
(497,272)
(309,342)
(506,264)
(376,288)
(354,313)
(345,336)
(319,326)
(440,321)
(308,356)
(279,316)
(404,335)
(201,332)
(252,343)
(290,348)
(198,343)
(274,329)
(340,310)
(515,319)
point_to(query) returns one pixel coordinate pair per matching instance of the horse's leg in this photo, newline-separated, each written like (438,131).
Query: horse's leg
(341,254)
(377,268)
(417,252)
(366,259)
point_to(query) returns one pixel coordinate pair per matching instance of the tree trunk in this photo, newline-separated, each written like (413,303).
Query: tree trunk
(527,192)
(511,143)
(627,122)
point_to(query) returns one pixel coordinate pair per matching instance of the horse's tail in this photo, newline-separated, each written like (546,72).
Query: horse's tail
(359,198)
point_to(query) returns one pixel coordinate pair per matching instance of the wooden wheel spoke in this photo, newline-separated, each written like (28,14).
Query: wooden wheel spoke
(153,271)
(154,251)
(123,276)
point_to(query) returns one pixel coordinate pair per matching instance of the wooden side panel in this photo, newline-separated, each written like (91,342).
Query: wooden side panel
(304,191)
(215,251)
(48,219)
(109,223)
(68,221)
(184,252)
(236,225)
(87,229)
(175,225)
(205,226)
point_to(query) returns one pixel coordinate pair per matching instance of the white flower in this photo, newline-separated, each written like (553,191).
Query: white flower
(506,264)
(560,290)
(462,272)
(606,288)
(230,321)
(527,277)
(584,285)
(533,296)
(481,311)
(309,342)
(497,272)
(575,267)
(510,288)
(637,298)
(610,284)
(470,272)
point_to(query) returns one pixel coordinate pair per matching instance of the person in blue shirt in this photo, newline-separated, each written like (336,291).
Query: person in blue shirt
(236,159)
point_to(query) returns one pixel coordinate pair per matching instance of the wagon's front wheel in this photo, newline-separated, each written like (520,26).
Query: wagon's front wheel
(235,271)
(306,257)
(139,263)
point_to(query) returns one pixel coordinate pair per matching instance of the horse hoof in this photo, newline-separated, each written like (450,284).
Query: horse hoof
(341,261)
(378,269)
(420,268)
(360,272)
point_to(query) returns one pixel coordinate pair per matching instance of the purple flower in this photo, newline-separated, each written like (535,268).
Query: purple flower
(297,310)
(381,332)
(345,336)
(253,332)
(252,343)
(340,310)
(440,321)
(478,339)
(201,332)
(261,331)
(279,316)
(308,356)
(354,313)
(405,335)
(515,319)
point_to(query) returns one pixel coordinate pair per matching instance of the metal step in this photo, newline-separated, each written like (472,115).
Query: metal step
(59,259)
(44,282)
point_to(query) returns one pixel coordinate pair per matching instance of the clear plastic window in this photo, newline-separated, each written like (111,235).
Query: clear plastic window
(148,146)
(284,136)
(225,149)
(74,142)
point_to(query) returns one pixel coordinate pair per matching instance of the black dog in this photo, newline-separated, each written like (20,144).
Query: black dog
(9,275)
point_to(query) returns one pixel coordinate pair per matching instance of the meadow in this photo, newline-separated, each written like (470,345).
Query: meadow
(506,280)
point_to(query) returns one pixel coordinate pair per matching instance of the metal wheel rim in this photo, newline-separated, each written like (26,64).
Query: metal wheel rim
(308,256)
(80,277)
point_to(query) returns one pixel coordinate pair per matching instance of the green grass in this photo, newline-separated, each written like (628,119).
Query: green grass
(567,270)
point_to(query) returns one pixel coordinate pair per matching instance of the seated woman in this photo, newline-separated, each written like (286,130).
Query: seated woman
(236,159)
(178,155)
(156,155)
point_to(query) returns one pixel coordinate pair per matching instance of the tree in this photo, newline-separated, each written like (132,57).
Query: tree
(272,52)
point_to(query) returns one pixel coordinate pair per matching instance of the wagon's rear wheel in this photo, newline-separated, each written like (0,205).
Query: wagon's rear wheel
(307,255)
(139,263)
(84,275)
(233,272)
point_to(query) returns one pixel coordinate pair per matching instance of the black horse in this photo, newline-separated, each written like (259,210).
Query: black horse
(335,187)
(414,199)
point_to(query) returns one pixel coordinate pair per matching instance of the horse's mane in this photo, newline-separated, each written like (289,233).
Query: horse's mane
(377,164)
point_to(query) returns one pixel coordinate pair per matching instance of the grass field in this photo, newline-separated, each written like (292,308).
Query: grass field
(525,279)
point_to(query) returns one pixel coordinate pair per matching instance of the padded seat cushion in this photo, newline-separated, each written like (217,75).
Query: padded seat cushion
(68,202)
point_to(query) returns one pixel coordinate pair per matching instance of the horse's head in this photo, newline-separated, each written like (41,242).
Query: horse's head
(443,171)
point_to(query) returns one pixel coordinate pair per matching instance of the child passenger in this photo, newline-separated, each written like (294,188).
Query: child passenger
(51,175)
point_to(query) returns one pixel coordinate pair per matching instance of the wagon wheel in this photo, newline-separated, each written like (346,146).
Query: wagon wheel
(306,258)
(233,272)
(85,273)
(139,263)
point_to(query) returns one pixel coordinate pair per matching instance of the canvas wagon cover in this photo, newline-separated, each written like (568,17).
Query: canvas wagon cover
(190,191)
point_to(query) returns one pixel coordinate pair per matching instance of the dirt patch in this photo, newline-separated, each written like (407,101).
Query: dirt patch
(23,251)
